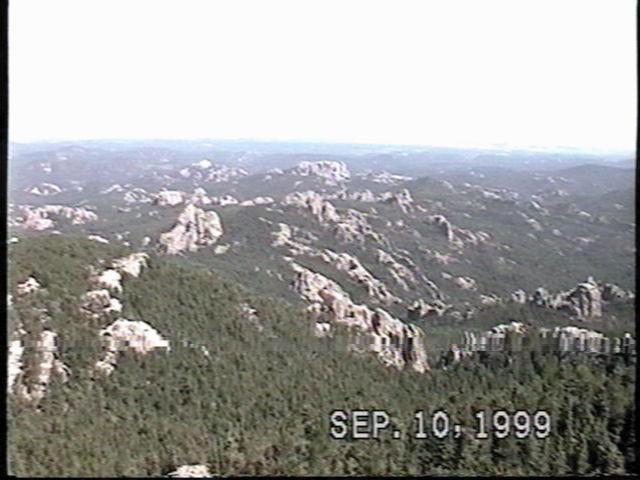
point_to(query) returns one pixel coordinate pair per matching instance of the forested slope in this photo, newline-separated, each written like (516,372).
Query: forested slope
(259,400)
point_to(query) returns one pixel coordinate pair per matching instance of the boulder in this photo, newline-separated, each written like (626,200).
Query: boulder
(30,285)
(191,471)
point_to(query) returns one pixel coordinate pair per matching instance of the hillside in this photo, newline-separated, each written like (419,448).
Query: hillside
(178,304)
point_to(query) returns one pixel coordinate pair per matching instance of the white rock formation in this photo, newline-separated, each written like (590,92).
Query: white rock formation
(30,285)
(116,187)
(402,198)
(584,301)
(284,238)
(466,283)
(110,279)
(385,177)
(490,300)
(262,200)
(200,197)
(321,209)
(400,273)
(47,367)
(352,226)
(558,339)
(519,296)
(322,329)
(195,228)
(396,343)
(169,198)
(15,364)
(421,309)
(191,471)
(97,303)
(221,249)
(36,220)
(138,195)
(458,237)
(123,334)
(45,189)
(207,171)
(132,264)
(356,272)
(331,172)
(39,218)
(224,200)
(97,238)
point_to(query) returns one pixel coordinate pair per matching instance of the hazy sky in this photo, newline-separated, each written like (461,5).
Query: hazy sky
(444,72)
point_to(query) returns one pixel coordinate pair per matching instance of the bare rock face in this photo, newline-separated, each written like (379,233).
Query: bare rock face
(15,363)
(519,296)
(321,209)
(199,197)
(560,339)
(400,273)
(458,237)
(322,329)
(385,177)
(207,171)
(532,222)
(611,292)
(445,226)
(46,368)
(110,279)
(30,285)
(490,300)
(250,314)
(584,301)
(97,238)
(191,471)
(397,344)
(402,198)
(138,195)
(356,272)
(331,172)
(421,309)
(116,187)
(195,228)
(285,237)
(44,189)
(39,218)
(132,264)
(353,226)
(263,200)
(169,198)
(465,283)
(97,303)
(123,334)
(362,196)
(224,200)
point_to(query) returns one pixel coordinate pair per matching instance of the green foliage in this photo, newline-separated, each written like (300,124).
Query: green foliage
(260,402)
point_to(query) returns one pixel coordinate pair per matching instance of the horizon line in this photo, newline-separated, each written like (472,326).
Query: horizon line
(469,146)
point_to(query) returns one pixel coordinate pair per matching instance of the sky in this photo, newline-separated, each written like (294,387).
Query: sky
(518,73)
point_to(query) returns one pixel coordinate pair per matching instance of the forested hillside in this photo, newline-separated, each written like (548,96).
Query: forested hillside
(253,394)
